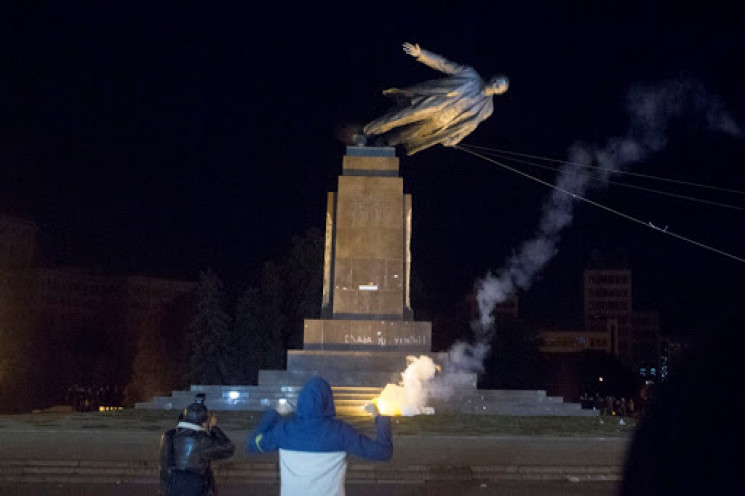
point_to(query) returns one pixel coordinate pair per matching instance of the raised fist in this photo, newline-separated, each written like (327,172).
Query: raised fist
(284,407)
(372,409)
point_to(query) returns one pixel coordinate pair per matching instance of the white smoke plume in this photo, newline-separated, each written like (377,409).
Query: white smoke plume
(651,110)
(410,397)
(420,382)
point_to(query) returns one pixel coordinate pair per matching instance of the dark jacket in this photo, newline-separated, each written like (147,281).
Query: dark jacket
(186,455)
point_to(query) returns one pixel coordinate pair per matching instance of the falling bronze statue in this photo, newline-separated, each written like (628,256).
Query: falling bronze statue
(442,110)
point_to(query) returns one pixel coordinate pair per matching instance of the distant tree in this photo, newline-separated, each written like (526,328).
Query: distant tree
(177,316)
(16,370)
(20,367)
(302,284)
(152,370)
(159,365)
(269,318)
(210,347)
(260,324)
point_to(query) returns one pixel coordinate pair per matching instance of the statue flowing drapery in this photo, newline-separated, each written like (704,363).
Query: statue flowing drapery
(442,111)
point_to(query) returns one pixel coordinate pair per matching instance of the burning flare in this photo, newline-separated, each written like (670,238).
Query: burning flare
(410,396)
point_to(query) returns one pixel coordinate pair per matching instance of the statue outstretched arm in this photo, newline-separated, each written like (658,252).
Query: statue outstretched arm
(437,62)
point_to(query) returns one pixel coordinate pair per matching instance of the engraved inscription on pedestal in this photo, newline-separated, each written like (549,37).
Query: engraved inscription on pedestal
(372,335)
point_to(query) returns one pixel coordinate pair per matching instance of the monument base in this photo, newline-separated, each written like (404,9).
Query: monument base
(356,378)
(368,329)
(408,336)
(351,400)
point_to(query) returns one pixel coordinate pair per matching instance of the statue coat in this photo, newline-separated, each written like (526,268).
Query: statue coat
(442,110)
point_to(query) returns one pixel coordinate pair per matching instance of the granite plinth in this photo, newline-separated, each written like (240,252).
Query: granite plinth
(382,162)
(351,400)
(350,368)
(225,398)
(369,232)
(367,335)
(367,331)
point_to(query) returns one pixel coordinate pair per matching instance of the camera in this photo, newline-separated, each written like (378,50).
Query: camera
(199,398)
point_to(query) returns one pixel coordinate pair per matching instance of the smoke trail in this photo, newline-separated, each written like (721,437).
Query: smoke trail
(409,398)
(651,110)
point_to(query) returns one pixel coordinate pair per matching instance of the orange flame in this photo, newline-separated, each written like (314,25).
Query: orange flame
(410,397)
(391,400)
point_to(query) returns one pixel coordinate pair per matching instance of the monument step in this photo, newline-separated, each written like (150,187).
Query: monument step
(337,378)
(217,388)
(350,400)
(355,389)
(254,397)
(352,403)
(355,407)
(354,397)
(358,411)
(357,361)
(503,394)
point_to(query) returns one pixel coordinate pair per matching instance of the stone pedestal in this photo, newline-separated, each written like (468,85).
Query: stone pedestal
(367,327)
(368,335)
(368,234)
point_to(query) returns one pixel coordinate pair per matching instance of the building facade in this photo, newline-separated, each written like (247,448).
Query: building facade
(634,336)
(573,341)
(611,325)
(79,324)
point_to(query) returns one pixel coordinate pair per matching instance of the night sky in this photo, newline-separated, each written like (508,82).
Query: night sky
(163,139)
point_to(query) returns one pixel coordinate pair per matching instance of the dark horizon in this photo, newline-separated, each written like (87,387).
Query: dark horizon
(166,140)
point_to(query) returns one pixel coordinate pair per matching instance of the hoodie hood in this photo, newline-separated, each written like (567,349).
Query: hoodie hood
(316,400)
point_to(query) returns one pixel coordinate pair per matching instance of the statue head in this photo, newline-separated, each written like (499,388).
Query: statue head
(497,85)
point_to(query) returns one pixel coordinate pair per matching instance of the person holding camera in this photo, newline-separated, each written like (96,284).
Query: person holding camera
(186,453)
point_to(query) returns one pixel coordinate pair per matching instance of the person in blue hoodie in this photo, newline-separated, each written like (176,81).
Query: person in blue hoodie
(313,444)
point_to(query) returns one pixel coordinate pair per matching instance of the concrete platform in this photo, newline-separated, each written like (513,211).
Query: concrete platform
(351,399)
(367,330)
(131,457)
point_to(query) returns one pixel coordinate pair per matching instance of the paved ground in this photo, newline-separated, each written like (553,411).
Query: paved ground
(514,488)
(408,450)
(84,462)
